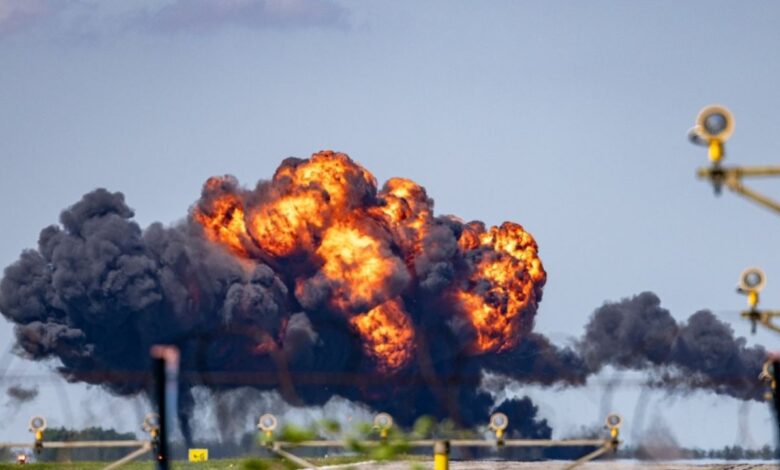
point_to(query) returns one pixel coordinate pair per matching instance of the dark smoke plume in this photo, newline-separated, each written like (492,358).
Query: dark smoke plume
(637,333)
(19,394)
(99,291)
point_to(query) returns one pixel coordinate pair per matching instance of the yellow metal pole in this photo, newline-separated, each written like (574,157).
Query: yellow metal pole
(38,441)
(441,455)
(716,151)
(752,299)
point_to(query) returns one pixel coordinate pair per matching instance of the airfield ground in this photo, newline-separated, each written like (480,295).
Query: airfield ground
(589,466)
(471,465)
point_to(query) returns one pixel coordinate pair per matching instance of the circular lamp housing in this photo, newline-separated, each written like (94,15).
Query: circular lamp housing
(613,420)
(383,421)
(151,421)
(499,421)
(37,423)
(752,279)
(267,422)
(715,122)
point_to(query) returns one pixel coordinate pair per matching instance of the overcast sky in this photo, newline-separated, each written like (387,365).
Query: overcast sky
(568,117)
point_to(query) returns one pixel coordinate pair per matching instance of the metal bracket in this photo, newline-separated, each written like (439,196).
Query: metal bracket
(731,177)
(763,317)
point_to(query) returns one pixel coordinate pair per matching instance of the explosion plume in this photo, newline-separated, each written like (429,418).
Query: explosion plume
(317,283)
(344,248)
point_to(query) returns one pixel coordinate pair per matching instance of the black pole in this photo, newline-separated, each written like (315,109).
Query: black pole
(158,365)
(776,401)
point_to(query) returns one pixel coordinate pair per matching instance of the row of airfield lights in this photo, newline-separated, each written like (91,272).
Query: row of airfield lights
(38,425)
(384,422)
(267,423)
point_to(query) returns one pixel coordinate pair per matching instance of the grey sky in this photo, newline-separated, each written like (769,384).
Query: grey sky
(568,117)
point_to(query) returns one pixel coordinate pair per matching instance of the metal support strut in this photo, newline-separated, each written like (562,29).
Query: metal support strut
(731,177)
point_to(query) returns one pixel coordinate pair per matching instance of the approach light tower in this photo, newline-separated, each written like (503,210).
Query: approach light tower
(751,283)
(714,125)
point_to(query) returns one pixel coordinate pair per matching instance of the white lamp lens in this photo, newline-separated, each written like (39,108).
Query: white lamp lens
(715,123)
(752,279)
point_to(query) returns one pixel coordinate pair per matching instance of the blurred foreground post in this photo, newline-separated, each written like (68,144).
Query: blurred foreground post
(441,455)
(165,367)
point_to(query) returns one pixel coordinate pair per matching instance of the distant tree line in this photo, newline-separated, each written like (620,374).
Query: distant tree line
(726,453)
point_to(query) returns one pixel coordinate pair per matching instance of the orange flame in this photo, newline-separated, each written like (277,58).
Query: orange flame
(223,221)
(360,265)
(387,335)
(408,211)
(334,173)
(326,214)
(308,195)
(504,284)
(288,224)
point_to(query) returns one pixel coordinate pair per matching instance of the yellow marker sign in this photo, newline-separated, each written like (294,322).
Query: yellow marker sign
(198,455)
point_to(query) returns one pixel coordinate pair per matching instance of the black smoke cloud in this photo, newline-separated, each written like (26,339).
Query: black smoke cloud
(19,394)
(701,353)
(99,291)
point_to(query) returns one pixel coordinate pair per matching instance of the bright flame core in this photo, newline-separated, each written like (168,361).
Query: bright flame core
(361,248)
